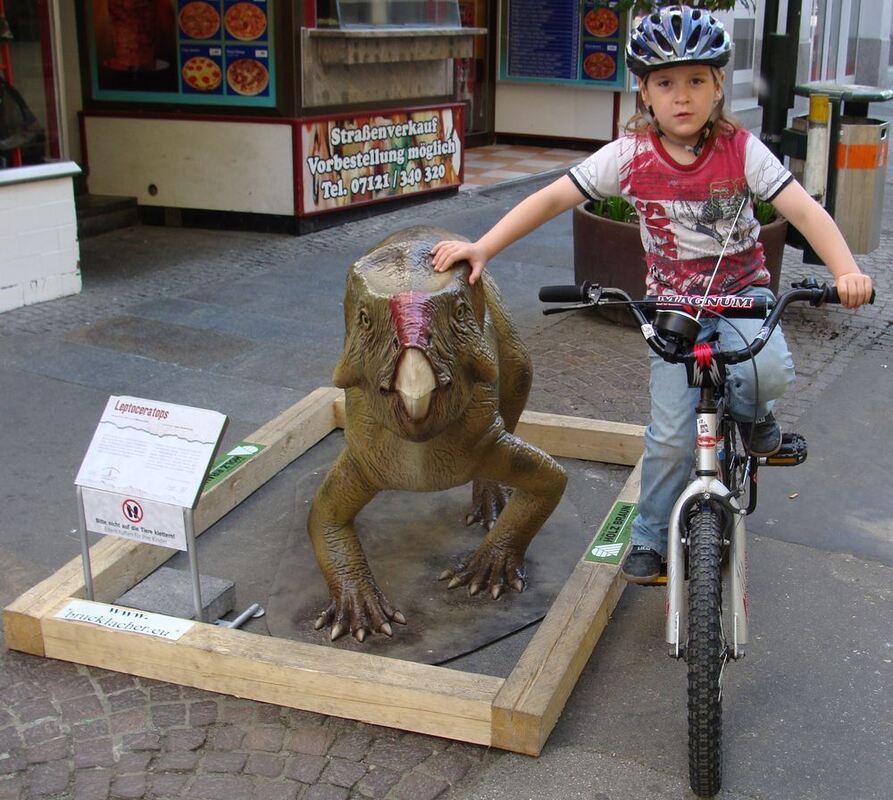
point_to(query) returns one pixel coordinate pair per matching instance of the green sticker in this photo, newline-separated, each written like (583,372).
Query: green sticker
(223,466)
(612,540)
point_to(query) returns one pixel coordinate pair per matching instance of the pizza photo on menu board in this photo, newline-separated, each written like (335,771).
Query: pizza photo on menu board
(601,22)
(247,76)
(245,21)
(202,74)
(599,66)
(199,20)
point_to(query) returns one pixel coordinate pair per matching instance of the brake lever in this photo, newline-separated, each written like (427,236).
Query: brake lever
(562,309)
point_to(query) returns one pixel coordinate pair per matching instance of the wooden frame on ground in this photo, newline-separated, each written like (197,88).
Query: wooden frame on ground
(516,713)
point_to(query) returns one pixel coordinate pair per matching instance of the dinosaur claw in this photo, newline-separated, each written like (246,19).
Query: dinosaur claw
(456,581)
(474,589)
(444,575)
(360,635)
(496,591)
(518,585)
(398,617)
(386,629)
(470,519)
(320,622)
(338,630)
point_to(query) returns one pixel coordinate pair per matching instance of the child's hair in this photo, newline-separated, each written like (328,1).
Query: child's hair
(724,123)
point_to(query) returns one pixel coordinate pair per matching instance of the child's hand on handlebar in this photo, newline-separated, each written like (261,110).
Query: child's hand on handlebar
(445,254)
(854,289)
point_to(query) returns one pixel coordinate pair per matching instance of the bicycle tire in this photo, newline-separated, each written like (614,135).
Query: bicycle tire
(704,651)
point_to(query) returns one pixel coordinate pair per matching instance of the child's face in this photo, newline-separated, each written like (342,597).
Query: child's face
(681,99)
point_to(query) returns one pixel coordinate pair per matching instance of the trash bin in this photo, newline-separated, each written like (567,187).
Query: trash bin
(857,161)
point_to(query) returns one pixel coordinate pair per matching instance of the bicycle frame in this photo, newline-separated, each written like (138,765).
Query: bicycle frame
(706,487)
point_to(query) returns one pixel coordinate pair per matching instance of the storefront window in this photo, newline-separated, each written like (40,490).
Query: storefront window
(27,103)
(388,13)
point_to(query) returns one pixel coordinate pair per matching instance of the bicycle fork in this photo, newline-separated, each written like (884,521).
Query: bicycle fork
(706,487)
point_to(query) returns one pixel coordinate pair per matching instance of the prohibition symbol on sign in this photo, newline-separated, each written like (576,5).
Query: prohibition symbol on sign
(132,510)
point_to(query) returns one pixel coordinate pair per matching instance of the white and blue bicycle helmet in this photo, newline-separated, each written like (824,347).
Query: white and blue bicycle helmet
(677,35)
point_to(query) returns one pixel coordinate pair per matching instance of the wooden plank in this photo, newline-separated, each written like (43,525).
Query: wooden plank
(382,691)
(529,704)
(586,439)
(119,564)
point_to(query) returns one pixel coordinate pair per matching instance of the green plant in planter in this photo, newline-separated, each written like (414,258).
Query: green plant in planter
(764,211)
(615,208)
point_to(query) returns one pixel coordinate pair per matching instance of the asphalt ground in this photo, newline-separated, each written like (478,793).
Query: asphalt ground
(247,324)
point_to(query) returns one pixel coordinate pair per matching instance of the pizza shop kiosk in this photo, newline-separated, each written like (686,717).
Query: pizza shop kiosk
(281,108)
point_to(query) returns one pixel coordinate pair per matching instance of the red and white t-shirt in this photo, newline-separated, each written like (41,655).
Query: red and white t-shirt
(686,210)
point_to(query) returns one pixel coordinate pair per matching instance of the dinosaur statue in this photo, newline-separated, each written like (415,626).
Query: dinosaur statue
(435,379)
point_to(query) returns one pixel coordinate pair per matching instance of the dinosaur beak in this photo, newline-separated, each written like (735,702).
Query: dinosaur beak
(414,383)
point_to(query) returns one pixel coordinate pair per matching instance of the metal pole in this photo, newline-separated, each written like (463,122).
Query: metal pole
(85,545)
(193,565)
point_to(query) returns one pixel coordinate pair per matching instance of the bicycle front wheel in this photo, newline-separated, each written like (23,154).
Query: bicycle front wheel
(705,652)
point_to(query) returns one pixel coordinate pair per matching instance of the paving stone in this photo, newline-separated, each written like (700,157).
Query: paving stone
(228,737)
(52,750)
(11,787)
(224,762)
(351,745)
(81,709)
(169,715)
(10,739)
(175,762)
(164,692)
(236,710)
(202,713)
(50,780)
(71,687)
(127,699)
(305,768)
(311,741)
(34,710)
(397,755)
(112,682)
(15,761)
(141,741)
(265,764)
(377,782)
(92,784)
(341,772)
(268,739)
(168,785)
(279,790)
(129,787)
(21,692)
(94,753)
(130,721)
(132,762)
(185,739)
(267,714)
(419,786)
(90,730)
(450,766)
(325,791)
(222,787)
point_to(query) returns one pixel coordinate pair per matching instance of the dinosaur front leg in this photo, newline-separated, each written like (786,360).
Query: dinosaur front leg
(357,605)
(538,482)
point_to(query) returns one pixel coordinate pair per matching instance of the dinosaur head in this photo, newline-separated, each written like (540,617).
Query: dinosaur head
(414,338)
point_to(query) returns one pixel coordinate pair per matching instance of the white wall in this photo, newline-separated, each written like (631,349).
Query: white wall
(39,254)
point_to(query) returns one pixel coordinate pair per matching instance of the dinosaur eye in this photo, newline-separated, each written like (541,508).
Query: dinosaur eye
(461,312)
(364,320)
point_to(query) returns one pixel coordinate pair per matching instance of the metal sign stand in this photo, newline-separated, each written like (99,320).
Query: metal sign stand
(85,545)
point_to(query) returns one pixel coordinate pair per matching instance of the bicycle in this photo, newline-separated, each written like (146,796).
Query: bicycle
(706,529)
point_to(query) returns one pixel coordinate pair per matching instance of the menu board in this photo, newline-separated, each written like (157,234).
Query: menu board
(196,52)
(563,41)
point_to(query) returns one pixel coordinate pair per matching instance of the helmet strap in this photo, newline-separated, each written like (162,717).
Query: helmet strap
(695,149)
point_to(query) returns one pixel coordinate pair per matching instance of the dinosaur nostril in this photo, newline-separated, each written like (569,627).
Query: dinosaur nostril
(395,343)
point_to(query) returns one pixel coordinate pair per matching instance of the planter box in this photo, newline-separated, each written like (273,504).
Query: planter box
(610,253)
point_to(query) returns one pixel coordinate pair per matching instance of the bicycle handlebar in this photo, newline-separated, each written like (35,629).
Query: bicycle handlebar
(644,311)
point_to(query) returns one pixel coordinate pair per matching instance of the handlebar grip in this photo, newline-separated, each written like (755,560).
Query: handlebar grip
(564,294)
(832,296)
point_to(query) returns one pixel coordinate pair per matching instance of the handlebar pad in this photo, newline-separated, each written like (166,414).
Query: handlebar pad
(564,294)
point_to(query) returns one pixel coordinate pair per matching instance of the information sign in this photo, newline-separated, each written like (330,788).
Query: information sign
(126,620)
(150,450)
(353,160)
(564,41)
(134,518)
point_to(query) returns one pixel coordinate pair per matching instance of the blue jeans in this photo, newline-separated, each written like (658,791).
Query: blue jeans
(670,437)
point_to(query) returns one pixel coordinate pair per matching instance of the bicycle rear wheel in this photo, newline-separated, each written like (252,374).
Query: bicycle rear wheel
(705,651)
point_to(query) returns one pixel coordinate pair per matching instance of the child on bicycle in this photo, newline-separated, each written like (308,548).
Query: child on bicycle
(691,173)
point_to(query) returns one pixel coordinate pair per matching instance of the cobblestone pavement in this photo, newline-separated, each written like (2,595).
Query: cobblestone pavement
(75,733)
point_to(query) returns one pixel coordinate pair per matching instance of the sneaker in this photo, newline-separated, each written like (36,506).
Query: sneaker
(642,565)
(765,440)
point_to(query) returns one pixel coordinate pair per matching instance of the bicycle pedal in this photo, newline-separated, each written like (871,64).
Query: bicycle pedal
(793,451)
(660,580)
